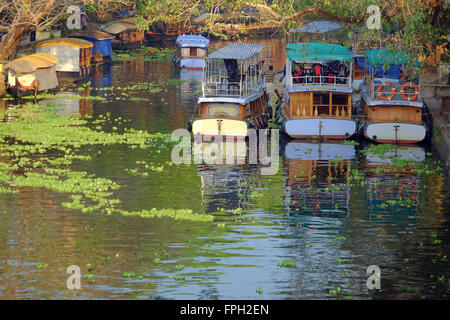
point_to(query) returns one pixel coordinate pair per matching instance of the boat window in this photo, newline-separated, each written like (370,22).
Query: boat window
(201,53)
(222,109)
(185,52)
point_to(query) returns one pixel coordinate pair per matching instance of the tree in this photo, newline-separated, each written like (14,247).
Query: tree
(17,17)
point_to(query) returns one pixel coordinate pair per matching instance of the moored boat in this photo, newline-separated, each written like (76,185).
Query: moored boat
(191,52)
(390,100)
(317,92)
(74,55)
(234,92)
(126,33)
(102,44)
(32,73)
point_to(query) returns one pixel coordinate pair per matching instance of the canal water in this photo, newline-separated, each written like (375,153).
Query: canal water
(310,231)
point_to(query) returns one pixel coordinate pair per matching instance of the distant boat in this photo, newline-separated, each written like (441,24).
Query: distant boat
(167,30)
(234,92)
(31,74)
(317,92)
(102,44)
(126,34)
(391,100)
(74,55)
(191,52)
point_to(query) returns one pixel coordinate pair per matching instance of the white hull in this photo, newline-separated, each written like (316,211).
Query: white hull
(315,128)
(223,127)
(393,132)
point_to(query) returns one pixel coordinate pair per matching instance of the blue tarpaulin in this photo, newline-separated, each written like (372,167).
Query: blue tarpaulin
(102,46)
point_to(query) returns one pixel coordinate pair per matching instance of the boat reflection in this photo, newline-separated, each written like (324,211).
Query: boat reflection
(69,103)
(226,176)
(316,178)
(392,184)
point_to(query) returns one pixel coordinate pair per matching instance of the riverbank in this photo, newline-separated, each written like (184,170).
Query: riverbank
(435,95)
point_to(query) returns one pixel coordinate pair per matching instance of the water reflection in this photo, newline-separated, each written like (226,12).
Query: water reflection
(392,186)
(316,178)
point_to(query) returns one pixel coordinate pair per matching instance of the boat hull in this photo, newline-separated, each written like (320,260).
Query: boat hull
(223,127)
(386,132)
(319,128)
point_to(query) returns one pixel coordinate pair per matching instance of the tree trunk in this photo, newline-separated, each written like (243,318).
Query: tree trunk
(23,22)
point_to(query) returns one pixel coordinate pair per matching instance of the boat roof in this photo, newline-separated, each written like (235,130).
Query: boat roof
(238,51)
(308,51)
(74,42)
(192,40)
(380,57)
(322,26)
(30,63)
(95,35)
(118,26)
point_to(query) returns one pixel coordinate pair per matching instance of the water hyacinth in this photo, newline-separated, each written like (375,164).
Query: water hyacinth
(42,145)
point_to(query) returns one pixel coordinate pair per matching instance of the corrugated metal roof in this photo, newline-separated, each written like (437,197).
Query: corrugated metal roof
(237,51)
(321,26)
(192,40)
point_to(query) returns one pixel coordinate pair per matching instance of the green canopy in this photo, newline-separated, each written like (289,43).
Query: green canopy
(307,51)
(380,57)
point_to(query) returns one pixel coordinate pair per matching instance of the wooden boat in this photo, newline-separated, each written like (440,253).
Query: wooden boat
(126,34)
(102,44)
(191,52)
(74,55)
(167,31)
(390,100)
(312,169)
(234,92)
(317,92)
(33,73)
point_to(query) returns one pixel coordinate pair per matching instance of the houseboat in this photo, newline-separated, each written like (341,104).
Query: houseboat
(126,33)
(74,55)
(234,92)
(167,30)
(390,100)
(191,52)
(317,92)
(102,45)
(33,73)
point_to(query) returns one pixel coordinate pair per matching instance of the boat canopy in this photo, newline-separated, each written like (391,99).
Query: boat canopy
(310,51)
(102,42)
(237,51)
(380,57)
(74,42)
(119,26)
(31,63)
(191,40)
(321,26)
(94,35)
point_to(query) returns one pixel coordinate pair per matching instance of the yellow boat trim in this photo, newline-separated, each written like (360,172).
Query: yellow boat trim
(74,42)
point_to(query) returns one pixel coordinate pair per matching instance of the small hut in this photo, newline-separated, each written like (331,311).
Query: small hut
(102,44)
(32,73)
(74,55)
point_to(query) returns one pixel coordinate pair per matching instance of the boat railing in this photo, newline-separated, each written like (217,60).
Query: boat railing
(393,90)
(335,111)
(320,80)
(224,87)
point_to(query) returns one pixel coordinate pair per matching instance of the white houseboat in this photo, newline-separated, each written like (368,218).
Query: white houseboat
(191,52)
(391,100)
(234,92)
(317,92)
